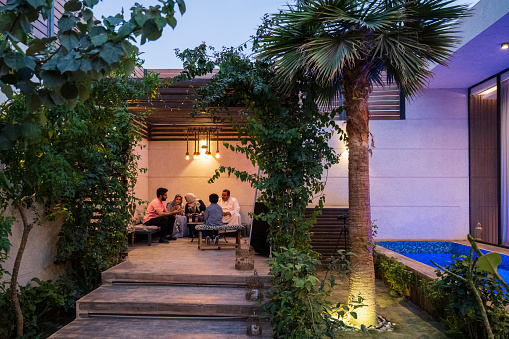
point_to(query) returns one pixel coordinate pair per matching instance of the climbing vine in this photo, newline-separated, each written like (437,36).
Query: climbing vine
(81,165)
(286,136)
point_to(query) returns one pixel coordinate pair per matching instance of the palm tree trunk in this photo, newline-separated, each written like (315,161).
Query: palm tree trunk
(355,88)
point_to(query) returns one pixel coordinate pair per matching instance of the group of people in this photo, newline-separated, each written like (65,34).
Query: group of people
(173,217)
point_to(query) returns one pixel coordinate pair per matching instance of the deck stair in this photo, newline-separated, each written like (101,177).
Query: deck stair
(176,294)
(328,232)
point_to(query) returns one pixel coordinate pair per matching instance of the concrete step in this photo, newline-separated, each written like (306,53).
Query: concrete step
(136,327)
(166,300)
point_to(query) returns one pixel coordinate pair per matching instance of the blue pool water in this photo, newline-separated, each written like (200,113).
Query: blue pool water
(438,251)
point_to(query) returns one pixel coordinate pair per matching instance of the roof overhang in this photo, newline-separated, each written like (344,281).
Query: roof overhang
(480,55)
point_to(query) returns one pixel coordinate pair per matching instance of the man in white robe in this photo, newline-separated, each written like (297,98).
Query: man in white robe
(231,208)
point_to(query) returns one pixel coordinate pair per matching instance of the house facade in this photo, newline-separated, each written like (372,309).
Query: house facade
(436,172)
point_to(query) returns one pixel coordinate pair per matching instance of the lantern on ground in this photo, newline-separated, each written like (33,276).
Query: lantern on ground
(254,326)
(254,286)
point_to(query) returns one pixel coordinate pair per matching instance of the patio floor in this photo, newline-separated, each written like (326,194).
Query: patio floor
(176,291)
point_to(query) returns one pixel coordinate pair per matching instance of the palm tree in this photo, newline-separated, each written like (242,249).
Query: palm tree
(350,45)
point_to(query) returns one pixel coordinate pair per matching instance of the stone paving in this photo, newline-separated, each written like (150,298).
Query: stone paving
(170,291)
(178,271)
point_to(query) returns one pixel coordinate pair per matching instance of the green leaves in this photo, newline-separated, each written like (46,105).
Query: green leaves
(99,39)
(72,6)
(489,262)
(69,63)
(30,131)
(14,60)
(69,40)
(182,6)
(81,49)
(67,22)
(111,53)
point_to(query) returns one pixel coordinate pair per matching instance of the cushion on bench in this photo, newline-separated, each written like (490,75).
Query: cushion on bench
(220,227)
(139,228)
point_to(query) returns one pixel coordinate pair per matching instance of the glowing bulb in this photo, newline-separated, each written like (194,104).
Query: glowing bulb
(217,155)
(187,156)
(198,156)
(504,45)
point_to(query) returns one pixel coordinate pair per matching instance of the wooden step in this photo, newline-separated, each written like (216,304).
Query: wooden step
(166,300)
(142,327)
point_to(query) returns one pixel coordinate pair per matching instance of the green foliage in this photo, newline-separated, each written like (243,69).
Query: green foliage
(59,70)
(5,245)
(329,38)
(98,137)
(394,273)
(299,307)
(464,314)
(81,166)
(286,139)
(46,307)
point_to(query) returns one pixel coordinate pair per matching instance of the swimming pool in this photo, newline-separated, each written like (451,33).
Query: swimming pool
(438,251)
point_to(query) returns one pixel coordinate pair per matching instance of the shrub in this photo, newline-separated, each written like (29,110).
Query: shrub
(299,307)
(394,273)
(463,314)
(46,307)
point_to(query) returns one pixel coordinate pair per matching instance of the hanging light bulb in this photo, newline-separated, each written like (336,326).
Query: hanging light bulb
(195,155)
(217,145)
(187,142)
(207,152)
(198,147)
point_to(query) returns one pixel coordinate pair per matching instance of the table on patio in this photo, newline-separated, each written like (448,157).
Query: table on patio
(203,227)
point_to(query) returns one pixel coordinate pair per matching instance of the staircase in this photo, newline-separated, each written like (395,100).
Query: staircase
(329,233)
(170,291)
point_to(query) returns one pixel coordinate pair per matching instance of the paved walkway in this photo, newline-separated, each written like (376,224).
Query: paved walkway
(136,300)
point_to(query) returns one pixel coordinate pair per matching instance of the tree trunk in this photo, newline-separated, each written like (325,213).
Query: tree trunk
(355,88)
(15,270)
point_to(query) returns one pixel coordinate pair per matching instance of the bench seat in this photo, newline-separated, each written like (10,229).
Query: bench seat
(236,228)
(148,230)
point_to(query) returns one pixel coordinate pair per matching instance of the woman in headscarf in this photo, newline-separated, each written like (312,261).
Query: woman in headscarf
(194,206)
(180,228)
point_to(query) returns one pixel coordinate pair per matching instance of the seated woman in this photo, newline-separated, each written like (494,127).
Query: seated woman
(194,206)
(180,228)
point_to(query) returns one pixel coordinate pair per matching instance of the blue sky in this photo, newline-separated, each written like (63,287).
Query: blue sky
(217,22)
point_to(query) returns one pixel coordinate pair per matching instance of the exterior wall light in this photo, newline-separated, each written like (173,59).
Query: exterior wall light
(504,45)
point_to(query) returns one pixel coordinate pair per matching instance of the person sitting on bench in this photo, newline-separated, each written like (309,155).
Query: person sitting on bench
(157,214)
(213,216)
(231,208)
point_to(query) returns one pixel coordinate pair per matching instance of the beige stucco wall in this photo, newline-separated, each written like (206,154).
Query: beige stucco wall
(40,251)
(418,171)
(141,188)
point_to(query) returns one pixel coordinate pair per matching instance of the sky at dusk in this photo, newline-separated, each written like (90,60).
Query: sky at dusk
(217,22)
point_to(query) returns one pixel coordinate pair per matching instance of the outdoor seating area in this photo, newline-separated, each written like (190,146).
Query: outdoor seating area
(153,187)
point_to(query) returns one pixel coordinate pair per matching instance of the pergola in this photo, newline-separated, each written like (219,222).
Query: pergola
(169,114)
(170,119)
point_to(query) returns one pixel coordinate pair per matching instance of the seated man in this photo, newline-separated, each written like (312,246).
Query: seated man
(231,208)
(213,216)
(157,214)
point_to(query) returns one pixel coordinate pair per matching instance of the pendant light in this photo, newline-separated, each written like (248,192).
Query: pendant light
(198,147)
(217,144)
(195,154)
(187,144)
(207,153)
